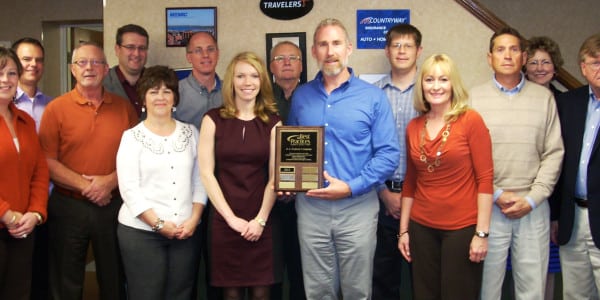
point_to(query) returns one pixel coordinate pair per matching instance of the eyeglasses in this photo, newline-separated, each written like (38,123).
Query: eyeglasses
(94,62)
(200,51)
(595,66)
(400,45)
(133,47)
(543,63)
(282,58)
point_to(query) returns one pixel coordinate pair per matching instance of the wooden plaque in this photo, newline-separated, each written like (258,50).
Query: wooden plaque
(298,158)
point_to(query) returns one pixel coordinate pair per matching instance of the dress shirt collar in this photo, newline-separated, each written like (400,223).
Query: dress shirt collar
(513,91)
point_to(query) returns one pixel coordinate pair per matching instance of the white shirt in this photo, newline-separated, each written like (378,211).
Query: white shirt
(159,173)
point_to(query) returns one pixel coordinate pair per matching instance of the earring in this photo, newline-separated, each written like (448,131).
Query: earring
(143,109)
(174,109)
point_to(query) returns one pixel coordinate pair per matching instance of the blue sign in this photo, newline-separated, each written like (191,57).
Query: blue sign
(372,25)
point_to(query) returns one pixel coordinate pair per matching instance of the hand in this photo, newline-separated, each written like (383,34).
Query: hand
(403,245)
(169,230)
(253,231)
(23,225)
(554,232)
(238,224)
(187,229)
(392,202)
(10,223)
(99,190)
(478,249)
(337,189)
(518,209)
(286,197)
(505,200)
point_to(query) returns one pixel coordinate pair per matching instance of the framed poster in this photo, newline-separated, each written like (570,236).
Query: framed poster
(183,22)
(298,38)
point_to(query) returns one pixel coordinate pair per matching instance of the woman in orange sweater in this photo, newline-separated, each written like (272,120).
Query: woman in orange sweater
(23,184)
(447,191)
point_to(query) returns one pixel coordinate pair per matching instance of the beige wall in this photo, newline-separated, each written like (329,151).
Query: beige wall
(242,26)
(19,18)
(569,23)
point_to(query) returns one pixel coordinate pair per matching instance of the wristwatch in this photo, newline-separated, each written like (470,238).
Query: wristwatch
(482,234)
(160,223)
(261,221)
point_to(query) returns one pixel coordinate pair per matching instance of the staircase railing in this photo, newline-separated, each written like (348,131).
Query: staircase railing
(493,22)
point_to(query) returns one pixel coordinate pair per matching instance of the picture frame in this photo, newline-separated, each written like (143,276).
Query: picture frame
(298,38)
(183,22)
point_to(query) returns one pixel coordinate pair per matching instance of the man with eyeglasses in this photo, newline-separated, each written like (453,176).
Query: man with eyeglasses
(575,201)
(198,93)
(80,134)
(131,49)
(201,90)
(286,67)
(402,49)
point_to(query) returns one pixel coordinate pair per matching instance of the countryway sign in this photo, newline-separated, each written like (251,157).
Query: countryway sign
(286,10)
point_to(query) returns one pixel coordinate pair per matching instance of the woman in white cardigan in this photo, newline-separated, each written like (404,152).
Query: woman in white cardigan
(163,197)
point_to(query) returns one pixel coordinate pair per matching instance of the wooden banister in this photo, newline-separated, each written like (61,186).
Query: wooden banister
(494,23)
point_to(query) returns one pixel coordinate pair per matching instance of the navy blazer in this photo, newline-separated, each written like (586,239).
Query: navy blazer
(572,109)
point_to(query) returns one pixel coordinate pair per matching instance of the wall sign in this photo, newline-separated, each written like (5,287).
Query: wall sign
(372,25)
(286,10)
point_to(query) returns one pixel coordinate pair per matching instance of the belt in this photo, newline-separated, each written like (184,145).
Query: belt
(77,195)
(69,193)
(394,186)
(581,202)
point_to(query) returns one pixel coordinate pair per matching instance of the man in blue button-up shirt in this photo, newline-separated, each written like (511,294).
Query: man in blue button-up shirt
(337,224)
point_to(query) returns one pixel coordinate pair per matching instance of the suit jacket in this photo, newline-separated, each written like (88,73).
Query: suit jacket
(572,109)
(112,84)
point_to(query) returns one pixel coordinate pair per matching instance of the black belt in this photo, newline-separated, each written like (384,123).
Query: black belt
(394,186)
(69,193)
(78,195)
(581,202)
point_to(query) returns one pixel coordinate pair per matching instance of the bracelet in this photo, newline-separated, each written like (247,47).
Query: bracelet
(12,220)
(401,234)
(160,223)
(39,217)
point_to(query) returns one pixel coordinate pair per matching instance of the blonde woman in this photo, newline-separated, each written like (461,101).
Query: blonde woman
(447,191)
(236,158)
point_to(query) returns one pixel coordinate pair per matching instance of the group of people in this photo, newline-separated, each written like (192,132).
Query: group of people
(158,173)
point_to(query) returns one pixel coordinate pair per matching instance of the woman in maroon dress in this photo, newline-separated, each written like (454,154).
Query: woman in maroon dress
(236,157)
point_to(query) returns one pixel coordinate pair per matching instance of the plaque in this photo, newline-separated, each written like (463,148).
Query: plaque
(298,158)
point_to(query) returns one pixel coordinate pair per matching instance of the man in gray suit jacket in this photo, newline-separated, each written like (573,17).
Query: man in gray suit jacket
(131,49)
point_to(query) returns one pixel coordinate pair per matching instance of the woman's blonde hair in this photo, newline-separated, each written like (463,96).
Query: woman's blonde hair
(265,105)
(460,97)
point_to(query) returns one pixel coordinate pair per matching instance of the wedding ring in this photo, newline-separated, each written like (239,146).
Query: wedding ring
(24,235)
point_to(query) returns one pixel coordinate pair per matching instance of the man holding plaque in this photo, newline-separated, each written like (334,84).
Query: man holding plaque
(337,223)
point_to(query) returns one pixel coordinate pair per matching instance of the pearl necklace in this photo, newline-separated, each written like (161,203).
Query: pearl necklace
(436,163)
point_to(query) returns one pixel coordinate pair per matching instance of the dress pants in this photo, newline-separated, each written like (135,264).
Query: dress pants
(580,261)
(288,229)
(528,240)
(337,244)
(441,266)
(15,265)
(73,224)
(156,267)
(387,265)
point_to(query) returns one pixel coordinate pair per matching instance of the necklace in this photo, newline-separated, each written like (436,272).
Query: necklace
(436,163)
